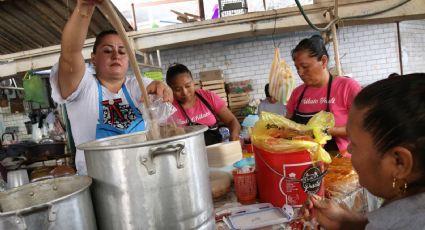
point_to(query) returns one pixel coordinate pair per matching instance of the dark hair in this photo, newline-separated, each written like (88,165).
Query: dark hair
(395,114)
(314,45)
(100,37)
(266,90)
(393,75)
(174,70)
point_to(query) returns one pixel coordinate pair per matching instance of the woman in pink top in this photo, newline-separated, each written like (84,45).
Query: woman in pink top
(199,107)
(321,91)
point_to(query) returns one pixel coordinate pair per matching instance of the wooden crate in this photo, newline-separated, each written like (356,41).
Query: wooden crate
(237,101)
(211,75)
(197,84)
(216,86)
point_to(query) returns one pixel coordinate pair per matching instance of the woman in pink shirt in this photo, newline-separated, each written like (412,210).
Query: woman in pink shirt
(321,91)
(199,107)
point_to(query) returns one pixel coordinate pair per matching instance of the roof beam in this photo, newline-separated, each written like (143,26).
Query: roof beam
(262,23)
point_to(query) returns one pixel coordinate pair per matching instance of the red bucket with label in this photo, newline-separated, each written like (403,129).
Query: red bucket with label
(287,178)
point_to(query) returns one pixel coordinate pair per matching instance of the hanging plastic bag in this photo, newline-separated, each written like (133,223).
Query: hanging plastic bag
(34,89)
(281,81)
(278,134)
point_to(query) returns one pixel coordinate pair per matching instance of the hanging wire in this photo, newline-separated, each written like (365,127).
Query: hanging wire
(336,19)
(326,28)
(377,12)
(274,30)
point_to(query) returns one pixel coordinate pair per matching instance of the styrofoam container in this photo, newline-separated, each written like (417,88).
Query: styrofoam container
(224,154)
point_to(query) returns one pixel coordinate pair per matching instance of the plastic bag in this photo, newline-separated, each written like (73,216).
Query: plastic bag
(160,110)
(34,89)
(161,118)
(280,79)
(278,134)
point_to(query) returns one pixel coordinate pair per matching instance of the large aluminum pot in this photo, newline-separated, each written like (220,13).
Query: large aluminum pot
(159,184)
(61,203)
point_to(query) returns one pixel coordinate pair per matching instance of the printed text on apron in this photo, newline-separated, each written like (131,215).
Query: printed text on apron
(212,135)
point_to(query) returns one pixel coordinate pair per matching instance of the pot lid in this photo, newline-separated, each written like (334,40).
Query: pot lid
(138,139)
(256,218)
(41,194)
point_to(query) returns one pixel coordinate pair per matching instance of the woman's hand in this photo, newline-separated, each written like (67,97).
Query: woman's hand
(337,131)
(227,117)
(85,8)
(327,212)
(331,215)
(81,4)
(161,90)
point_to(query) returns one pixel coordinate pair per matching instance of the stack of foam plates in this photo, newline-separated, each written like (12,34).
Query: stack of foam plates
(224,154)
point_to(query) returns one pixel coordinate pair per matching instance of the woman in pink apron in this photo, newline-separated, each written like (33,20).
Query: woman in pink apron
(199,107)
(321,91)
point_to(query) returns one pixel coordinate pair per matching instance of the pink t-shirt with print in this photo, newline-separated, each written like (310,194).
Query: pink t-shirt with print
(200,113)
(342,95)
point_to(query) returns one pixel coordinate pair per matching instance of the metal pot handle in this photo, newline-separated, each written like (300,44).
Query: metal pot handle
(20,220)
(177,149)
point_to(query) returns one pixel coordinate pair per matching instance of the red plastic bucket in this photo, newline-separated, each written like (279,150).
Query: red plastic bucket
(287,178)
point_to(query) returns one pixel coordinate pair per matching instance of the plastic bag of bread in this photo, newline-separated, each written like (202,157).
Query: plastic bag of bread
(341,178)
(276,133)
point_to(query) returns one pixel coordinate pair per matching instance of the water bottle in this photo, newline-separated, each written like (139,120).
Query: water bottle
(225,133)
(244,135)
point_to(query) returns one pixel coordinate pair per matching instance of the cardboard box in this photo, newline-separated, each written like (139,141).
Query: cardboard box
(211,75)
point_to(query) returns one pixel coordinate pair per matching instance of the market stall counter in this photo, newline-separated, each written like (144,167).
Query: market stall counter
(340,183)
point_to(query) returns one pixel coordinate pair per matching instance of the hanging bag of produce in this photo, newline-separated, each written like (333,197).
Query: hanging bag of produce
(34,88)
(280,79)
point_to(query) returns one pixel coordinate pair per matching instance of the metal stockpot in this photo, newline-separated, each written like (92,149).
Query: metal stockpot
(60,204)
(159,184)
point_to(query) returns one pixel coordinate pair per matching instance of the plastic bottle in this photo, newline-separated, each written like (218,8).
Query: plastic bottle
(246,142)
(225,133)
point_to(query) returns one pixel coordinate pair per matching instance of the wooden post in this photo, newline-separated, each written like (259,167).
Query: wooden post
(134,16)
(201,9)
(336,50)
(334,14)
(158,56)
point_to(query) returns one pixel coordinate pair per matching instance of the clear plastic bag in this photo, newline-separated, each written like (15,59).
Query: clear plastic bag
(281,79)
(161,111)
(160,122)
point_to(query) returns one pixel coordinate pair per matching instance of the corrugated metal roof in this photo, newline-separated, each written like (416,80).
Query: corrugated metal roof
(32,24)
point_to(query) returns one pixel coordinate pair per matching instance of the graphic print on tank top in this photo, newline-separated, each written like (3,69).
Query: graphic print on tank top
(118,115)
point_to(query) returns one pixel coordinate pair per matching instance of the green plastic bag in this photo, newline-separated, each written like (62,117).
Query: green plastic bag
(34,88)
